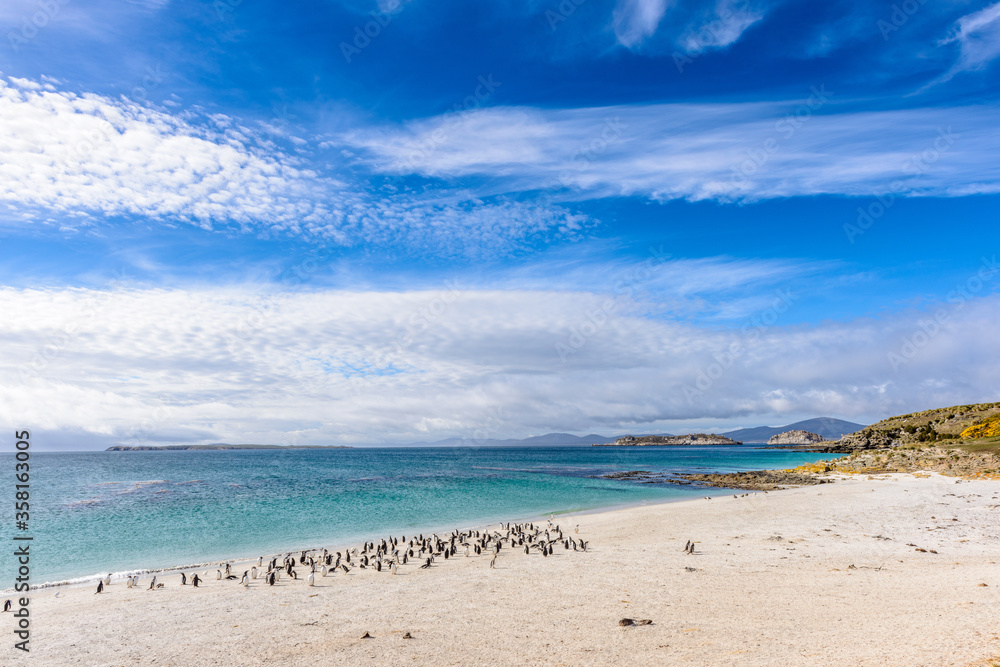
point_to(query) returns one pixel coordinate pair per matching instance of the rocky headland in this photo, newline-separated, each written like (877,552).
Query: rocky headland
(960,441)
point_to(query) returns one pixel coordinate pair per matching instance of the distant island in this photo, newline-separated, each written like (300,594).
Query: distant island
(217,446)
(670,440)
(796,437)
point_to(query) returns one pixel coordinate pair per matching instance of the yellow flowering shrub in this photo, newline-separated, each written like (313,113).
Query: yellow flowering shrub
(984,429)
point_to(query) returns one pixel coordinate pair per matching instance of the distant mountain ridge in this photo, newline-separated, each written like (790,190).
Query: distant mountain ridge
(828,427)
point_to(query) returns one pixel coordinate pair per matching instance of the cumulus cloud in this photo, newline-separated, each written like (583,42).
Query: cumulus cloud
(233,364)
(725,152)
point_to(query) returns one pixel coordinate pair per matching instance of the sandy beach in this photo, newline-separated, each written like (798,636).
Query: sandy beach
(821,575)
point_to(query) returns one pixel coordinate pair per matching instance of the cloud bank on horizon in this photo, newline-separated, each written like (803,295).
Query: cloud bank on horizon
(529,152)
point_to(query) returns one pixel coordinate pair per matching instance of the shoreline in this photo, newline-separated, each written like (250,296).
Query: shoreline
(871,570)
(119,576)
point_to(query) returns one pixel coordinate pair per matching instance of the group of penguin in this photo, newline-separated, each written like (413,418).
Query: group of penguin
(390,553)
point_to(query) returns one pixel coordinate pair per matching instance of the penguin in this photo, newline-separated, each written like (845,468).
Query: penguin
(260,561)
(195,580)
(107,580)
(245,581)
(253,572)
(311,579)
(218,575)
(152,584)
(184,579)
(100,587)
(270,580)
(129,583)
(323,571)
(6,605)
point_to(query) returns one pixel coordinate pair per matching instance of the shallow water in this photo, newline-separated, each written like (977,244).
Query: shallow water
(99,512)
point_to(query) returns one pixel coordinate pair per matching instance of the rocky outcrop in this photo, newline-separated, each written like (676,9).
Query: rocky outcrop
(951,462)
(670,440)
(795,438)
(757,480)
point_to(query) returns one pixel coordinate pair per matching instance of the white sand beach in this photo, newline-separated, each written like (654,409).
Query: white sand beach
(821,575)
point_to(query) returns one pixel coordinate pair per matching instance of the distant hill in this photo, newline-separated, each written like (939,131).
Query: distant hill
(828,427)
(979,422)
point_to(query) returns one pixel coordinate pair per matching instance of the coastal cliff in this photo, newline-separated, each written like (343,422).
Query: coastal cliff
(670,440)
(796,437)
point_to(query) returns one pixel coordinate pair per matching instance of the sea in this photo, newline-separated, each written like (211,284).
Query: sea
(94,513)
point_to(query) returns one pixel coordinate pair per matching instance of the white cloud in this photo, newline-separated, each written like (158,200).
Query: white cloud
(235,365)
(87,153)
(635,21)
(724,152)
(723,27)
(978,35)
(86,158)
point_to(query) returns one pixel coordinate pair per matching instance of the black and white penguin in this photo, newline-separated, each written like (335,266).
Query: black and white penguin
(100,587)
(195,580)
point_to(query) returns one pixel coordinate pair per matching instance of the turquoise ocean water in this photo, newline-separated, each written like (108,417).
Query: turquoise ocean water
(100,512)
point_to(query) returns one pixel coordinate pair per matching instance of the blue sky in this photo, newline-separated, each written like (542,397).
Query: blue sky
(243,221)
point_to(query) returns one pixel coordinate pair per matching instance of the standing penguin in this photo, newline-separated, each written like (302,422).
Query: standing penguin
(100,587)
(152,584)
(6,605)
(184,579)
(195,580)
(311,579)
